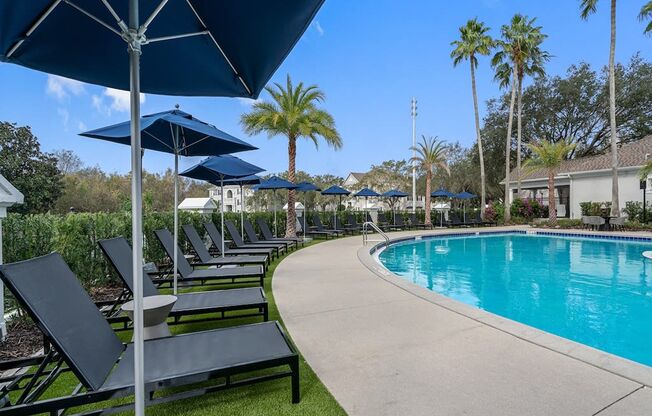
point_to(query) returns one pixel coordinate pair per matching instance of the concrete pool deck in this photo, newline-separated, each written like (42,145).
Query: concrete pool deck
(383,346)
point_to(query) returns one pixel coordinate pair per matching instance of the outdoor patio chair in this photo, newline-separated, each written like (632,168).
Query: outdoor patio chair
(479,221)
(205,257)
(85,347)
(253,238)
(312,232)
(239,242)
(216,238)
(617,224)
(412,218)
(353,222)
(218,302)
(596,223)
(267,233)
(586,222)
(345,227)
(316,221)
(213,276)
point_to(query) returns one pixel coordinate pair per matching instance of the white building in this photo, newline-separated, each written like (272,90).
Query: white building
(201,205)
(9,196)
(589,179)
(233,201)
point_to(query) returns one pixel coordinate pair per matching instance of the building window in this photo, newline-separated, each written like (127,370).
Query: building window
(229,194)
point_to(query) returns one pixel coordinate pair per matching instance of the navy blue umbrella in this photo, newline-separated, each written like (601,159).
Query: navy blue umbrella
(366,193)
(336,190)
(464,196)
(245,180)
(274,183)
(396,194)
(179,133)
(219,169)
(210,48)
(306,187)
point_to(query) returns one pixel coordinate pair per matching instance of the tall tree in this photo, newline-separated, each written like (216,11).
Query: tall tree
(587,8)
(31,171)
(474,41)
(548,156)
(646,14)
(430,155)
(293,113)
(67,161)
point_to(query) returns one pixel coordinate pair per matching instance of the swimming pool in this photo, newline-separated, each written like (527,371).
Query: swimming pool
(594,291)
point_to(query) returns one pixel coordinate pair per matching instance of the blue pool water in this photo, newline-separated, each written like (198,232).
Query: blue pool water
(597,292)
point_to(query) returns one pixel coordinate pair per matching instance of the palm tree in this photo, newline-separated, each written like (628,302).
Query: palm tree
(646,171)
(548,156)
(646,14)
(293,113)
(430,155)
(520,54)
(474,41)
(587,8)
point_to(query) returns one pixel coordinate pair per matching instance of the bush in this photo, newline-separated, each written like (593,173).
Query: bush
(634,211)
(591,208)
(527,208)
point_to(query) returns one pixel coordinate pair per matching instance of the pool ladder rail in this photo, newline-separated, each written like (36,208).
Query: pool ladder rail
(365,233)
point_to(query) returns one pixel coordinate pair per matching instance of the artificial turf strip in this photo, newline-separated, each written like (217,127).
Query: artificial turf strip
(268,398)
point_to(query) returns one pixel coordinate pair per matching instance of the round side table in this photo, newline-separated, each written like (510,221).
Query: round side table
(155,313)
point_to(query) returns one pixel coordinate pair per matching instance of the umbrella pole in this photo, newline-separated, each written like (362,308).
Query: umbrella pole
(136,209)
(222,211)
(241,211)
(176,209)
(305,213)
(274,202)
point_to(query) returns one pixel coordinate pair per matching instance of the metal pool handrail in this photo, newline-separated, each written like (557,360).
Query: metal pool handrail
(365,233)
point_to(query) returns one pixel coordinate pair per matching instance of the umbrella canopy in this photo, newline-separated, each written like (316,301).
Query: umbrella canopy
(394,193)
(273,183)
(245,180)
(465,195)
(219,169)
(335,190)
(190,48)
(179,133)
(366,192)
(442,193)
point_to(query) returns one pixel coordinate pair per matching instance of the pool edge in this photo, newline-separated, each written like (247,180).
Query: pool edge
(614,364)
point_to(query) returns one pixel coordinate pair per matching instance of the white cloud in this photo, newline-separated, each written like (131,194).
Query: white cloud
(64,114)
(118,100)
(81,126)
(318,28)
(248,102)
(62,88)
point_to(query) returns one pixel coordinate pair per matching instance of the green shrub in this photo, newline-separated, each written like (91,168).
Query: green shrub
(591,208)
(634,211)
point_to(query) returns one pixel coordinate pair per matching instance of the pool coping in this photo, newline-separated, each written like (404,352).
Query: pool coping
(614,364)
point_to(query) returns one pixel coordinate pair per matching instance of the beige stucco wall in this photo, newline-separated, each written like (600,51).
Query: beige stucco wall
(598,189)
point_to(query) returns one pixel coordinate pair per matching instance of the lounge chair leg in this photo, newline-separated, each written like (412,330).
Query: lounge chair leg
(265,313)
(296,391)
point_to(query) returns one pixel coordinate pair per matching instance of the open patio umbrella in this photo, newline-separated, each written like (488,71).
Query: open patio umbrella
(219,169)
(336,190)
(178,133)
(187,48)
(442,193)
(465,196)
(306,187)
(274,183)
(394,194)
(366,193)
(247,180)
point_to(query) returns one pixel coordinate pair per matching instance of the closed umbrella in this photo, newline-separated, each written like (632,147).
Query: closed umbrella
(336,190)
(442,193)
(178,133)
(465,196)
(274,183)
(394,194)
(306,187)
(247,180)
(218,169)
(366,193)
(207,48)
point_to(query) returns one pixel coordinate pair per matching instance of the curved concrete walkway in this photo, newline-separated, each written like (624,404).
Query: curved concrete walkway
(381,350)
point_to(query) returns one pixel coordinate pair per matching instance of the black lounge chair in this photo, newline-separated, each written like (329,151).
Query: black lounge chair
(214,276)
(353,222)
(346,228)
(205,257)
(416,224)
(312,232)
(239,242)
(216,238)
(253,238)
(480,221)
(399,223)
(267,233)
(118,253)
(84,344)
(454,221)
(316,221)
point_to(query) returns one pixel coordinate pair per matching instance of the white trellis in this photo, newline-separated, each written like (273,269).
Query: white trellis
(9,196)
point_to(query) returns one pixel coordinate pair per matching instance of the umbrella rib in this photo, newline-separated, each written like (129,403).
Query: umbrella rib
(150,19)
(93,17)
(119,21)
(34,27)
(173,37)
(157,139)
(235,72)
(194,143)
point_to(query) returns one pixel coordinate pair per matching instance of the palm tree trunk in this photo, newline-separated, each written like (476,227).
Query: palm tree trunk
(428,191)
(518,134)
(552,203)
(291,226)
(508,148)
(483,191)
(615,209)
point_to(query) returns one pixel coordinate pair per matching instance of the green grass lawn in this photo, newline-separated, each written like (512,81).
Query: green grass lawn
(269,398)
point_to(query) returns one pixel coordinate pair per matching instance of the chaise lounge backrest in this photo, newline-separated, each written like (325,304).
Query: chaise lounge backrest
(214,235)
(118,253)
(264,228)
(55,300)
(167,241)
(196,242)
(251,233)
(234,233)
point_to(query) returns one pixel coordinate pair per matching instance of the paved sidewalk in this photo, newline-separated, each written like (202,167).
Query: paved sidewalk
(381,350)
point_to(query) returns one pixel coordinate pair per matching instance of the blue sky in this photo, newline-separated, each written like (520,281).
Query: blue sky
(369,56)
